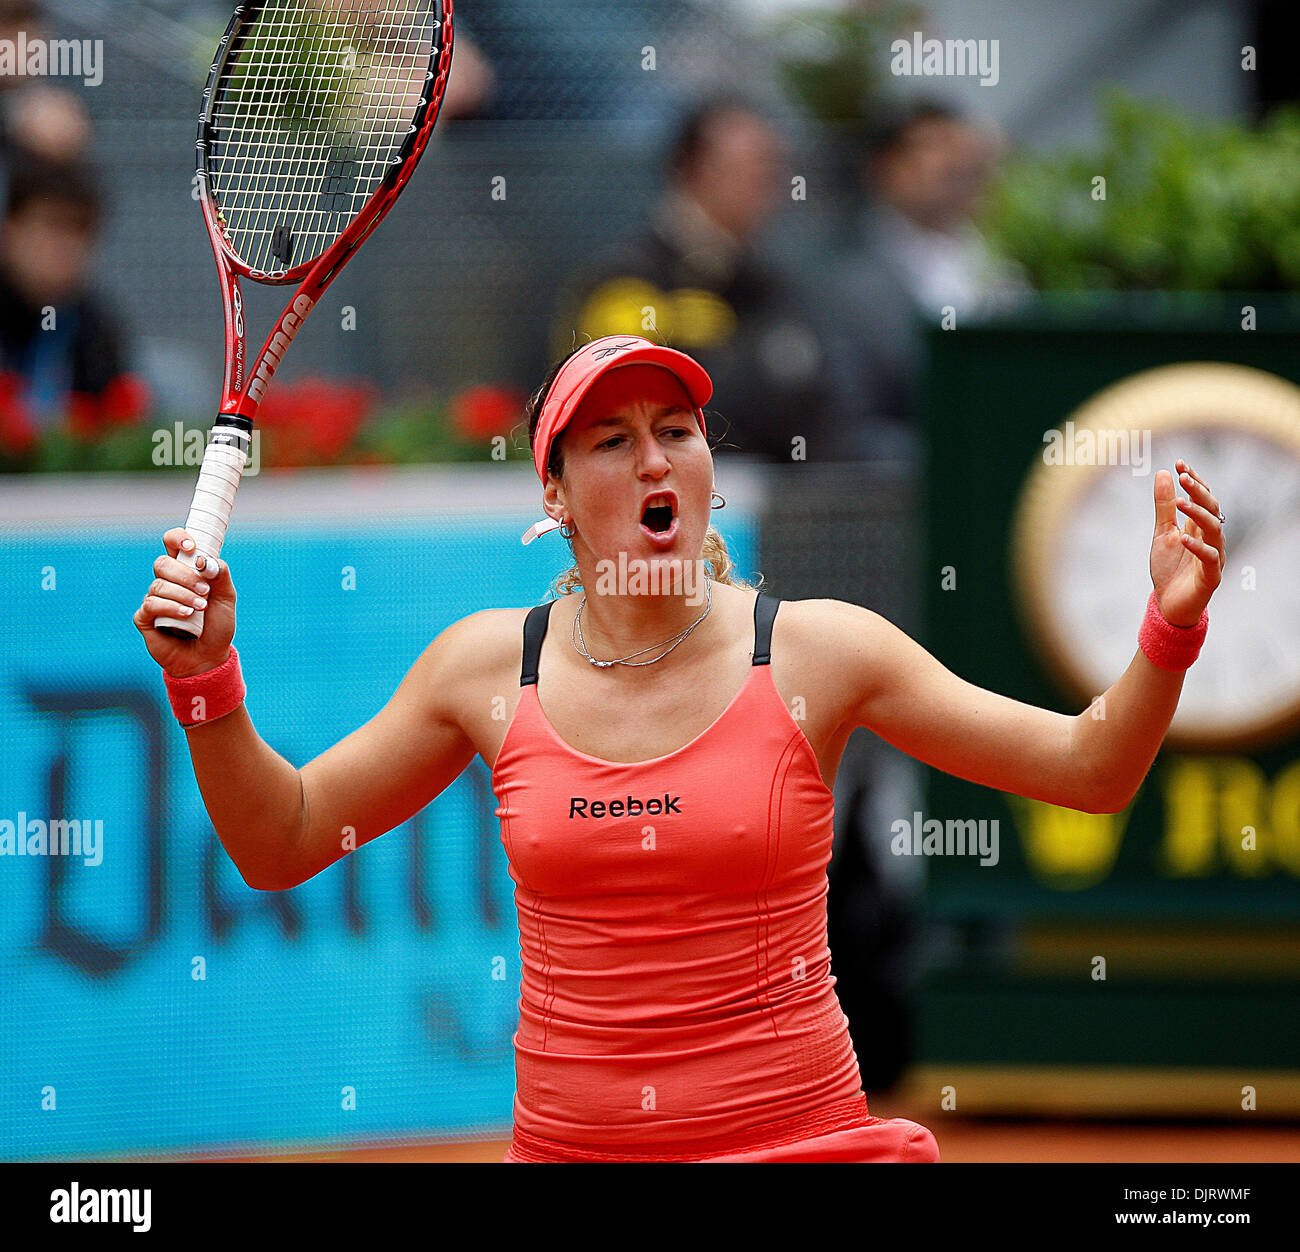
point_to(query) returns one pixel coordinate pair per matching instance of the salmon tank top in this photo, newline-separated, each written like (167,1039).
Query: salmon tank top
(676,999)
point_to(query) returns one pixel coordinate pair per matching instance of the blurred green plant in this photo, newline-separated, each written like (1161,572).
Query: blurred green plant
(61,450)
(297,68)
(834,61)
(1191,205)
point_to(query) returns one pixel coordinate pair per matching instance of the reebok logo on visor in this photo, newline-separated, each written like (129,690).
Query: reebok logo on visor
(614,348)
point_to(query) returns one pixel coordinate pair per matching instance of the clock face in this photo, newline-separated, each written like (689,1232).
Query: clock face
(1082,545)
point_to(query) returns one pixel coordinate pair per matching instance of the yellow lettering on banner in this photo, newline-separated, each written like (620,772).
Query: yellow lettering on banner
(1065,848)
(1285,815)
(1207,802)
(1188,847)
(1242,801)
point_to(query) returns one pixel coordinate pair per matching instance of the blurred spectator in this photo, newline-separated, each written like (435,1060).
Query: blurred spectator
(35,116)
(61,352)
(917,252)
(696,278)
(471,83)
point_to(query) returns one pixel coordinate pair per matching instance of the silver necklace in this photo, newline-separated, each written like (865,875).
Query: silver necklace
(580,645)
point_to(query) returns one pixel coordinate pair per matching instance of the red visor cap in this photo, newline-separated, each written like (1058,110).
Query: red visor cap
(594,359)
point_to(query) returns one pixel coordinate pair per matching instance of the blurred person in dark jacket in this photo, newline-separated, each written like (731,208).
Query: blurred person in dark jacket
(62,354)
(916,254)
(695,277)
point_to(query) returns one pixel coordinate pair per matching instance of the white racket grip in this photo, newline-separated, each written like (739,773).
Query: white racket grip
(224,460)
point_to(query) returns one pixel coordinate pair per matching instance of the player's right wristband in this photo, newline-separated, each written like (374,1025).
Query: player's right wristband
(1168,646)
(202,698)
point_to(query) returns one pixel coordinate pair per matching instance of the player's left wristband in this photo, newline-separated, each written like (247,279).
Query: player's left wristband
(1167,646)
(202,698)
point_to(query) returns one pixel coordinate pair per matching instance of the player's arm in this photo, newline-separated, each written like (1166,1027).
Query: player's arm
(282,825)
(900,692)
(1090,762)
(390,768)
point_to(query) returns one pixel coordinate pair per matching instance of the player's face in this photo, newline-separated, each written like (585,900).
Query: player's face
(634,435)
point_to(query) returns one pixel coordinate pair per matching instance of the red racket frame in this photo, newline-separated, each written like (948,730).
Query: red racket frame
(313,276)
(244,385)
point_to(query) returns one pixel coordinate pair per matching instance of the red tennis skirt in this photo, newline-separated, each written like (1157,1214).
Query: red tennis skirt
(882,1140)
(886,1140)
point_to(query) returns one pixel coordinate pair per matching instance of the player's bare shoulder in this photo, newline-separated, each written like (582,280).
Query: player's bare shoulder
(829,643)
(471,675)
(472,659)
(822,625)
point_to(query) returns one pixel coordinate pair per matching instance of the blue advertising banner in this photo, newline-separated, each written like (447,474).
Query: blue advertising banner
(152,1002)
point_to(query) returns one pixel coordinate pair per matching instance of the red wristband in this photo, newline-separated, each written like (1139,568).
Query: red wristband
(203,698)
(1168,646)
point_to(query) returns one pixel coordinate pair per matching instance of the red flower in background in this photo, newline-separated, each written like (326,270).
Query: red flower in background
(124,401)
(17,433)
(481,412)
(312,421)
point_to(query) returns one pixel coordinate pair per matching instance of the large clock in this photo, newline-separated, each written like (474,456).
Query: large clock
(1082,539)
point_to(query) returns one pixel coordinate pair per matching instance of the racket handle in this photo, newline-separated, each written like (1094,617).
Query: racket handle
(214,498)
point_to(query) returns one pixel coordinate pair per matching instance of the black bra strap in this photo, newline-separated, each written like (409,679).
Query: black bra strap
(764,615)
(534,632)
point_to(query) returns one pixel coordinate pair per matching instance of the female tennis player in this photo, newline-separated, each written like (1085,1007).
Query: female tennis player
(667,817)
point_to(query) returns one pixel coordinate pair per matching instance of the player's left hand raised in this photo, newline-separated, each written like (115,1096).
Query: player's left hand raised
(1187,564)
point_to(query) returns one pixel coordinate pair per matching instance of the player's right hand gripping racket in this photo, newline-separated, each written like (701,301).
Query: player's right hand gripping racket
(314,116)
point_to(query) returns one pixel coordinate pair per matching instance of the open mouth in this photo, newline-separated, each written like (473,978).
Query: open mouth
(658,518)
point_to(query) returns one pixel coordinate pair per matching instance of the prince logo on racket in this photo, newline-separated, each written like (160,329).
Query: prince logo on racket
(278,345)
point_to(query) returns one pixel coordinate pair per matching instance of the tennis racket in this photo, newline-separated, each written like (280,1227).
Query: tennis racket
(314,116)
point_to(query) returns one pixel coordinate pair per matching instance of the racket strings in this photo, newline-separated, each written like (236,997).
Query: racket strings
(309,113)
